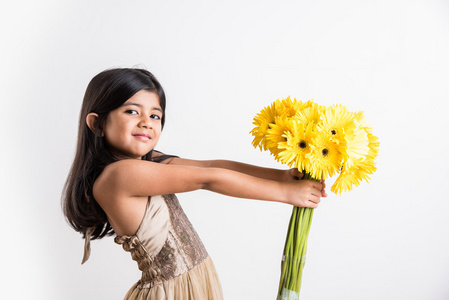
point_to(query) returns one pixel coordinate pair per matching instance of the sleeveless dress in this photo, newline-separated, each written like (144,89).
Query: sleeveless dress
(171,256)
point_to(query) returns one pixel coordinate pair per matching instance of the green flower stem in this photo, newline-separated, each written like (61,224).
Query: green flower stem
(285,275)
(297,252)
(295,248)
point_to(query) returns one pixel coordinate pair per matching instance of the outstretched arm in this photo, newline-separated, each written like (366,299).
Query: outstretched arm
(256,171)
(134,178)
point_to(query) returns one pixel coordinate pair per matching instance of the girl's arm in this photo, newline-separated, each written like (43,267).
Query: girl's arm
(133,178)
(256,171)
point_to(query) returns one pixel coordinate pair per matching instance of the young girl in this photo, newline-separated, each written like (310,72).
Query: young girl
(119,184)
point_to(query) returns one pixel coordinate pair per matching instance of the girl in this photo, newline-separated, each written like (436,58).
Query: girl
(119,184)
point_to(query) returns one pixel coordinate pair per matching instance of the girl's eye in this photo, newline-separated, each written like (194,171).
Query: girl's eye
(131,112)
(156,117)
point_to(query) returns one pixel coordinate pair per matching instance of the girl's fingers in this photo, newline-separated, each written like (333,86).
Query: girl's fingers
(315,193)
(315,199)
(317,185)
(323,193)
(312,204)
(295,173)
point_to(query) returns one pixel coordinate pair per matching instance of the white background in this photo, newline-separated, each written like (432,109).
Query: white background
(220,62)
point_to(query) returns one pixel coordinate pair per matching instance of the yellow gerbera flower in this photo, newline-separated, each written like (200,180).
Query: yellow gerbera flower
(325,156)
(336,121)
(277,134)
(373,144)
(352,175)
(310,114)
(263,121)
(297,144)
(286,108)
(373,141)
(360,118)
(357,145)
(361,143)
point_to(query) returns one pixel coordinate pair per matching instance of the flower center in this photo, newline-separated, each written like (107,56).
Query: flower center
(334,132)
(302,144)
(325,152)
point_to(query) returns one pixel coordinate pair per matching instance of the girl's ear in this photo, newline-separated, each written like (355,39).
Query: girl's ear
(91,121)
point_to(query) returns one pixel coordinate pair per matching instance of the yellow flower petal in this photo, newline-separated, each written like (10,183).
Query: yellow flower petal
(277,134)
(263,121)
(297,144)
(352,175)
(310,114)
(336,121)
(356,145)
(325,156)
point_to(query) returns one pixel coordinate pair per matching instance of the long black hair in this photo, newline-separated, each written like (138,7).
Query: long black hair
(107,91)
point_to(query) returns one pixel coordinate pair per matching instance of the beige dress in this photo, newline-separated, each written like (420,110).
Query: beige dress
(171,256)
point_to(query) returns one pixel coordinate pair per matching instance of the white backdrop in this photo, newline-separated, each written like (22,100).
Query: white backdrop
(220,62)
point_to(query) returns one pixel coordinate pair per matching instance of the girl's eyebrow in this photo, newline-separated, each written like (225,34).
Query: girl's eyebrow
(140,105)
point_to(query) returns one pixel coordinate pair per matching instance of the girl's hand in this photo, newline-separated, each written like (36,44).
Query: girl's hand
(323,192)
(294,174)
(303,193)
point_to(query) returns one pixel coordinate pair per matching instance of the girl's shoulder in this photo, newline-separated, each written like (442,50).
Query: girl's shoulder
(120,170)
(127,177)
(109,182)
(130,178)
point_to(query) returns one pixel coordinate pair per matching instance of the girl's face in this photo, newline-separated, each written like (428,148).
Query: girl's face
(133,129)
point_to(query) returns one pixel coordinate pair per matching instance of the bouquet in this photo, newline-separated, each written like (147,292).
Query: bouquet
(319,141)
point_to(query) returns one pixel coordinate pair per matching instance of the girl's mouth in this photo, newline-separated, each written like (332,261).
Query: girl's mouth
(142,137)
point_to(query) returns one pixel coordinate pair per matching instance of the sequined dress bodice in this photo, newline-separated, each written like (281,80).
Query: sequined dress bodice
(165,245)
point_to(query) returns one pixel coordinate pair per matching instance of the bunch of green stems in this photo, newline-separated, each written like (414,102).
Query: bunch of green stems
(295,251)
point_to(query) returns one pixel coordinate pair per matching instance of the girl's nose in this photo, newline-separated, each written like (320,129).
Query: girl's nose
(145,122)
